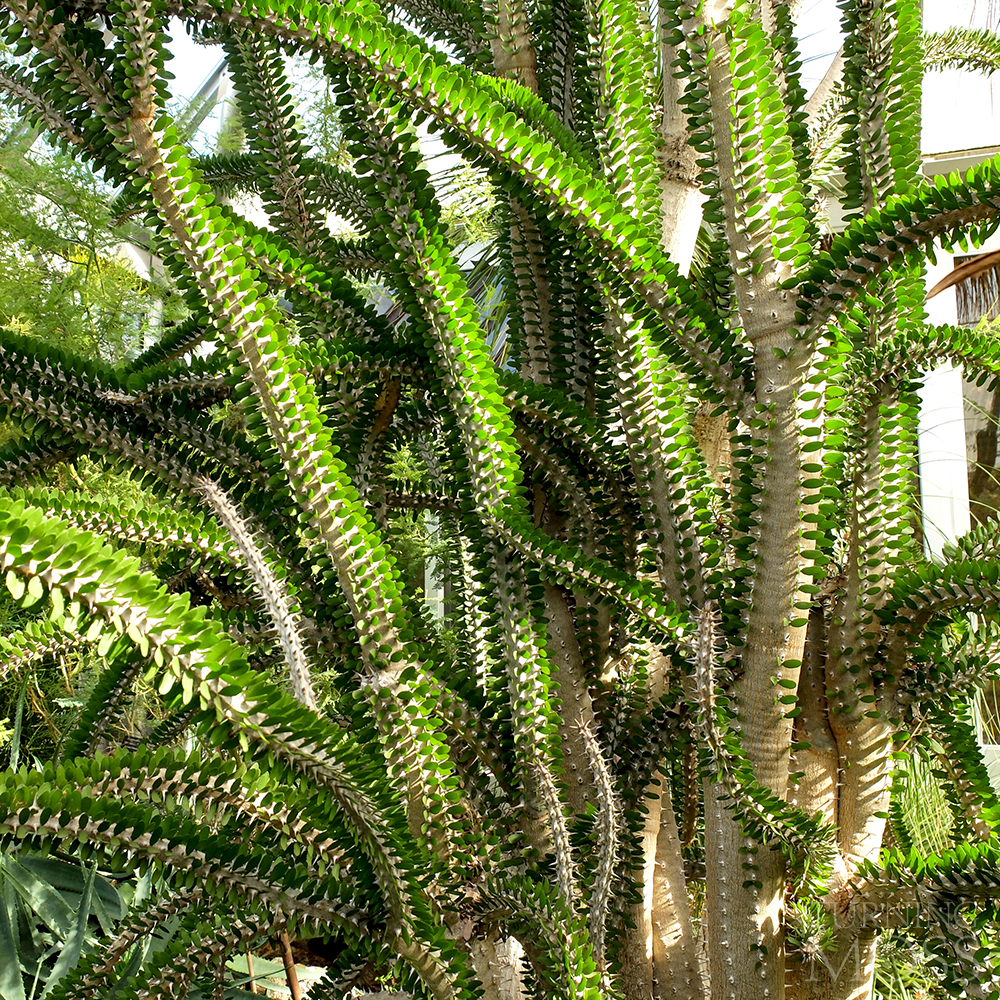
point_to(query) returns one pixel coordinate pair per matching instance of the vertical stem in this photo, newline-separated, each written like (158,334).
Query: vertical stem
(746,936)
(816,789)
(637,953)
(498,964)
(675,961)
(660,957)
(290,974)
(574,694)
(680,193)
(250,973)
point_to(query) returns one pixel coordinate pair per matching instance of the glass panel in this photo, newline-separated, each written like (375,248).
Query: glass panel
(982,419)
(989,714)
(978,299)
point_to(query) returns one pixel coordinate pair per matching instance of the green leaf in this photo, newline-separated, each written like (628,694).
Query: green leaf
(14,584)
(40,896)
(36,591)
(71,877)
(11,984)
(58,603)
(73,945)
(15,739)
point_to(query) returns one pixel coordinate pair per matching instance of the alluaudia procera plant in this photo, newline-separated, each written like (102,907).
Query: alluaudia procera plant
(690,628)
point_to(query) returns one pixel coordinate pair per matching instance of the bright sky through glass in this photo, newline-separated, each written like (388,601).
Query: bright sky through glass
(191,63)
(960,111)
(960,108)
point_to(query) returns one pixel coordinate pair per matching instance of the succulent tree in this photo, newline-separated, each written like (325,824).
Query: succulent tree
(689,623)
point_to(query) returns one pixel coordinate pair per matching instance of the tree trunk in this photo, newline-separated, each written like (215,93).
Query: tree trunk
(676,972)
(847,973)
(740,913)
(498,964)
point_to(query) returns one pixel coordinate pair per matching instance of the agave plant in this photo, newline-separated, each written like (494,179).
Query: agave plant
(53,909)
(691,618)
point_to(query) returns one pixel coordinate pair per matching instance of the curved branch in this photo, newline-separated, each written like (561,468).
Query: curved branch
(962,48)
(917,595)
(19,86)
(904,229)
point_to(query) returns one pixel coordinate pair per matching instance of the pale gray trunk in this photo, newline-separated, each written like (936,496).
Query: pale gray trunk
(680,194)
(816,790)
(741,919)
(676,971)
(637,955)
(574,694)
(499,967)
(661,958)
